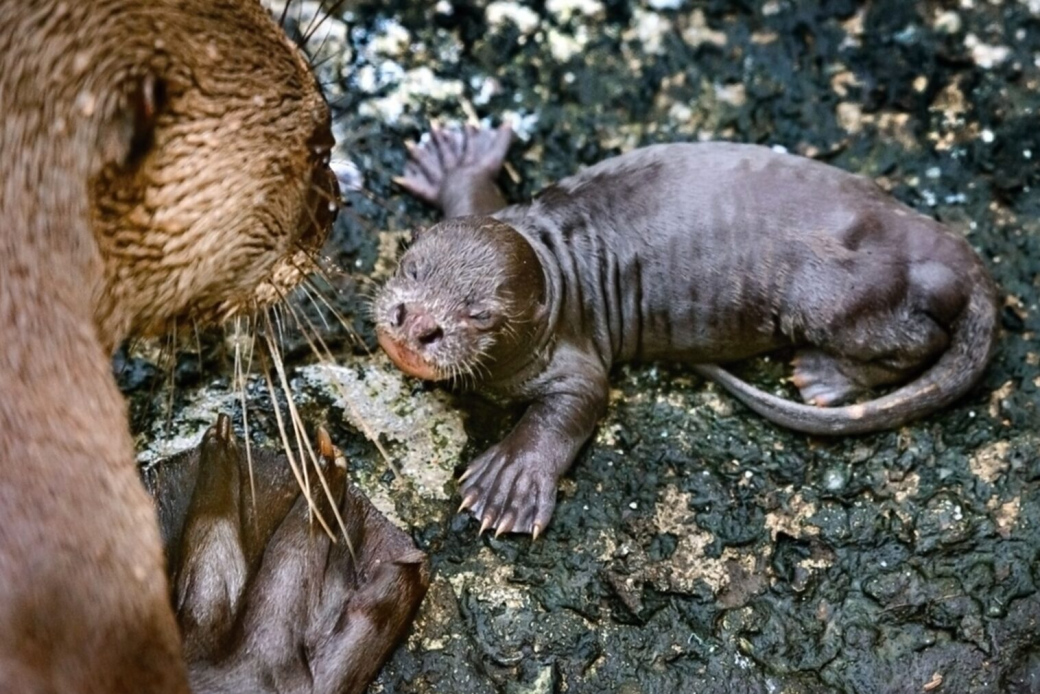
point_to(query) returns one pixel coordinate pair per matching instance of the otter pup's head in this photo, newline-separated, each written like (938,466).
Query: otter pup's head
(464,301)
(225,193)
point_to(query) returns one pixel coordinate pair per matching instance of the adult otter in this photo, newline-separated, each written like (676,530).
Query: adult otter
(696,252)
(266,602)
(162,162)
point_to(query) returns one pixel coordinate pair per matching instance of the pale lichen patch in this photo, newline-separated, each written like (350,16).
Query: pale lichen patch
(990,462)
(793,518)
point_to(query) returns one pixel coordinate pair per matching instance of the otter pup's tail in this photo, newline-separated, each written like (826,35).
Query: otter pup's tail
(949,378)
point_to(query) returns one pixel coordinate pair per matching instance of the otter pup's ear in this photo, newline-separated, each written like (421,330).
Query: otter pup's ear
(128,132)
(416,232)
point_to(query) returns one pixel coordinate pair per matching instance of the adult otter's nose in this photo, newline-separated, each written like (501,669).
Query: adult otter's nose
(418,324)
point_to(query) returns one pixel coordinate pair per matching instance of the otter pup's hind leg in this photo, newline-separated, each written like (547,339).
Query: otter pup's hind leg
(886,348)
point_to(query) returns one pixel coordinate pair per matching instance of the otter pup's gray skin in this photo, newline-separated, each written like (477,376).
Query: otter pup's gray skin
(700,253)
(265,601)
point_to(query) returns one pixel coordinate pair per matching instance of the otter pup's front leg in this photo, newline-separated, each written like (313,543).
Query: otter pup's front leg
(511,487)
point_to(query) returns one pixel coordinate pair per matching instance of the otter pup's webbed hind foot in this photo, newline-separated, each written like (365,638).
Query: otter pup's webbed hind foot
(455,169)
(821,380)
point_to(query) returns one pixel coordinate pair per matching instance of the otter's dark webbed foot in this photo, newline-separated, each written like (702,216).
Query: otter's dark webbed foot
(509,490)
(455,169)
(266,601)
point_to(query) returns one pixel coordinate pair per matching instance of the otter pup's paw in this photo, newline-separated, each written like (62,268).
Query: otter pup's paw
(821,380)
(445,152)
(509,491)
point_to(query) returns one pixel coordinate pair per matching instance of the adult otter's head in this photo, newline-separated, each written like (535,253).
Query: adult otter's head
(225,192)
(464,301)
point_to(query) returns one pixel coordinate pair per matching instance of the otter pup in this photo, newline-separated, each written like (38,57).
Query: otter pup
(265,601)
(701,253)
(161,162)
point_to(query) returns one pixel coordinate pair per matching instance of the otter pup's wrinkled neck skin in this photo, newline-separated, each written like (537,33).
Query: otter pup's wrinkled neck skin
(161,161)
(700,253)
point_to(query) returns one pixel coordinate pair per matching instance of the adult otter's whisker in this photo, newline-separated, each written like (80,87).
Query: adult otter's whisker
(312,292)
(304,488)
(306,291)
(374,199)
(324,354)
(276,358)
(239,384)
(325,357)
(169,356)
(316,53)
(318,21)
(285,13)
(301,436)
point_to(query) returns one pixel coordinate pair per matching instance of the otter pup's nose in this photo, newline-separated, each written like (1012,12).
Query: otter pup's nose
(418,325)
(425,331)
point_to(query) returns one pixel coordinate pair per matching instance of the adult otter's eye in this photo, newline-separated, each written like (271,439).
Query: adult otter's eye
(146,98)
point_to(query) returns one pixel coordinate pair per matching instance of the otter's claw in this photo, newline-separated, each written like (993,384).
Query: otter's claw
(510,491)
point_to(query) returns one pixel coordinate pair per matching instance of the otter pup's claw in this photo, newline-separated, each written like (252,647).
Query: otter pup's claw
(505,524)
(513,492)
(468,501)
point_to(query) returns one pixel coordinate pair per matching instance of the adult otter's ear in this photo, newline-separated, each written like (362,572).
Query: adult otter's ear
(128,132)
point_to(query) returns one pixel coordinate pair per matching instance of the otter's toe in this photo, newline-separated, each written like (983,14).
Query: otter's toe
(820,380)
(486,148)
(508,494)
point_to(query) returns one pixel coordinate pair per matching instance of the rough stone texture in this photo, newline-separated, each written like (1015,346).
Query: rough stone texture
(695,547)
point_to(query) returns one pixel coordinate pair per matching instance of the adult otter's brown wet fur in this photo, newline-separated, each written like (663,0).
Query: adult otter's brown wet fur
(266,602)
(702,253)
(161,161)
